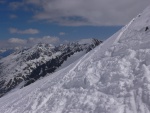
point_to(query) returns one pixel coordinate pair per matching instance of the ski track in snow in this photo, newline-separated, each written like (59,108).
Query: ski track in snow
(112,78)
(123,30)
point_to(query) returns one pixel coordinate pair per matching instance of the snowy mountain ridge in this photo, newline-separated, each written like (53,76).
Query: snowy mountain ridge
(26,66)
(112,78)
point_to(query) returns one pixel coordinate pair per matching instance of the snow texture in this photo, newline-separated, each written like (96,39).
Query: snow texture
(112,78)
(72,59)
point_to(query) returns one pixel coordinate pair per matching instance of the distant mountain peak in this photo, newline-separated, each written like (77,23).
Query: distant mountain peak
(28,65)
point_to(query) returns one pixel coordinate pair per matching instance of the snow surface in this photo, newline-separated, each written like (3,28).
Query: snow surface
(72,59)
(112,78)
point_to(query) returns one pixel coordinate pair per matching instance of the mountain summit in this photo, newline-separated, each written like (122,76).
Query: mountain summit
(112,78)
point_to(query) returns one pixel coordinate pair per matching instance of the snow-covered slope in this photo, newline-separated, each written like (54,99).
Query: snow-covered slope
(113,78)
(26,66)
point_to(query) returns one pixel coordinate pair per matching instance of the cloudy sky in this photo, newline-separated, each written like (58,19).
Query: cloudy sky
(26,22)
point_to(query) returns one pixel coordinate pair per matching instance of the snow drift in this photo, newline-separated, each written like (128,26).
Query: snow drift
(113,78)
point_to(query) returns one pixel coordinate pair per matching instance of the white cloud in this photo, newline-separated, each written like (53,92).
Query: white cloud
(62,33)
(27,31)
(84,12)
(45,39)
(88,12)
(16,5)
(2,1)
(12,16)
(18,42)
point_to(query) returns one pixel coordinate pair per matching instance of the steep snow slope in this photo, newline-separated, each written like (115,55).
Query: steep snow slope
(72,59)
(113,78)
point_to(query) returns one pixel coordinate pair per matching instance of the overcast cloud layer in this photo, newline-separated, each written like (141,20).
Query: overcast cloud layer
(85,12)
